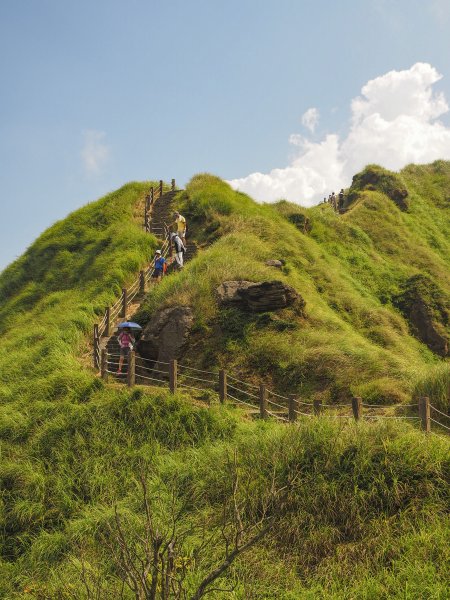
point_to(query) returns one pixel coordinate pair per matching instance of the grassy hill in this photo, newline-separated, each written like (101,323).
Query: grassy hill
(93,476)
(351,270)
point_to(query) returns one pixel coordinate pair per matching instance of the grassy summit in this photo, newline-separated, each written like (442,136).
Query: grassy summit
(351,511)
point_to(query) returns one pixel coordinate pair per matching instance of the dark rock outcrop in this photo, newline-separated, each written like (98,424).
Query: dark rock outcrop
(164,337)
(257,297)
(424,305)
(376,178)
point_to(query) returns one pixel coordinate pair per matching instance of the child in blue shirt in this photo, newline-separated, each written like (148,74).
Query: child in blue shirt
(160,266)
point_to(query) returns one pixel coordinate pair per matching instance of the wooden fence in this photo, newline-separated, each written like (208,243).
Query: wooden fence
(258,399)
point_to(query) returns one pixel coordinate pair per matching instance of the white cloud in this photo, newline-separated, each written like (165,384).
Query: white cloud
(310,119)
(95,152)
(394,122)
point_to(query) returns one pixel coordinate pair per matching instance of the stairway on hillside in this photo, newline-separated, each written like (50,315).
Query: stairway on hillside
(161,215)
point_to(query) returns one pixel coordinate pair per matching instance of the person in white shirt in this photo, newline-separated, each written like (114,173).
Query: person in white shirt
(180,249)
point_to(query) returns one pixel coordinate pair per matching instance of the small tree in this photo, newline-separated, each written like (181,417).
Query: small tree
(150,560)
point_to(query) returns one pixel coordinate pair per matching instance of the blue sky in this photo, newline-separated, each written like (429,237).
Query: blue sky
(95,94)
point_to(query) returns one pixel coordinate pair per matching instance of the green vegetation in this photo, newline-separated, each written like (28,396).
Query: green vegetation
(52,295)
(344,510)
(435,383)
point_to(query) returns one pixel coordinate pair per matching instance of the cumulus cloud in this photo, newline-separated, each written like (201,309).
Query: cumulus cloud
(310,119)
(395,121)
(95,152)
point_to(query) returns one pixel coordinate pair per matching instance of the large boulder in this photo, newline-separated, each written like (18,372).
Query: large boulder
(164,338)
(257,297)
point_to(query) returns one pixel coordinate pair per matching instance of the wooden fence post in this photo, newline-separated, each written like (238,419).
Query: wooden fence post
(142,282)
(262,401)
(147,202)
(317,407)
(173,383)
(223,386)
(160,187)
(96,347)
(146,223)
(131,373)
(124,303)
(293,407)
(173,185)
(424,413)
(107,331)
(152,195)
(103,363)
(357,408)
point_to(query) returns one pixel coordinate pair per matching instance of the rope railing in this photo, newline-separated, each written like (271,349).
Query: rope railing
(439,411)
(200,380)
(440,424)
(236,389)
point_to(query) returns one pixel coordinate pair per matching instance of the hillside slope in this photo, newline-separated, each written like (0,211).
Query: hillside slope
(354,272)
(342,510)
(52,295)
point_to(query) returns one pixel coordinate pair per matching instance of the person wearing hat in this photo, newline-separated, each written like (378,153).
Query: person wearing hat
(180,224)
(180,249)
(159,266)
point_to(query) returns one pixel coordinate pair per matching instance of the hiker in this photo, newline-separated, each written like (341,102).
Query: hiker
(180,224)
(341,200)
(333,200)
(160,266)
(180,249)
(126,342)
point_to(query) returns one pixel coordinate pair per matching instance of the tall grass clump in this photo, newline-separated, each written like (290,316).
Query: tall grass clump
(435,383)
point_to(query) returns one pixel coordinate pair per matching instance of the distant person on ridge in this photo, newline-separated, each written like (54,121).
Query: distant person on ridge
(160,266)
(126,342)
(180,224)
(333,200)
(341,200)
(180,249)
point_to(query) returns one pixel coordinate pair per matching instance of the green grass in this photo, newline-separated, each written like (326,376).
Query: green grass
(364,515)
(365,511)
(52,296)
(435,383)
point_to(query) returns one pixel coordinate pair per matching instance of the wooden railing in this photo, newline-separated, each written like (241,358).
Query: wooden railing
(259,398)
(119,308)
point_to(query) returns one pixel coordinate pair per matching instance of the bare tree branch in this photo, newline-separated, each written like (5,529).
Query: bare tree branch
(217,572)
